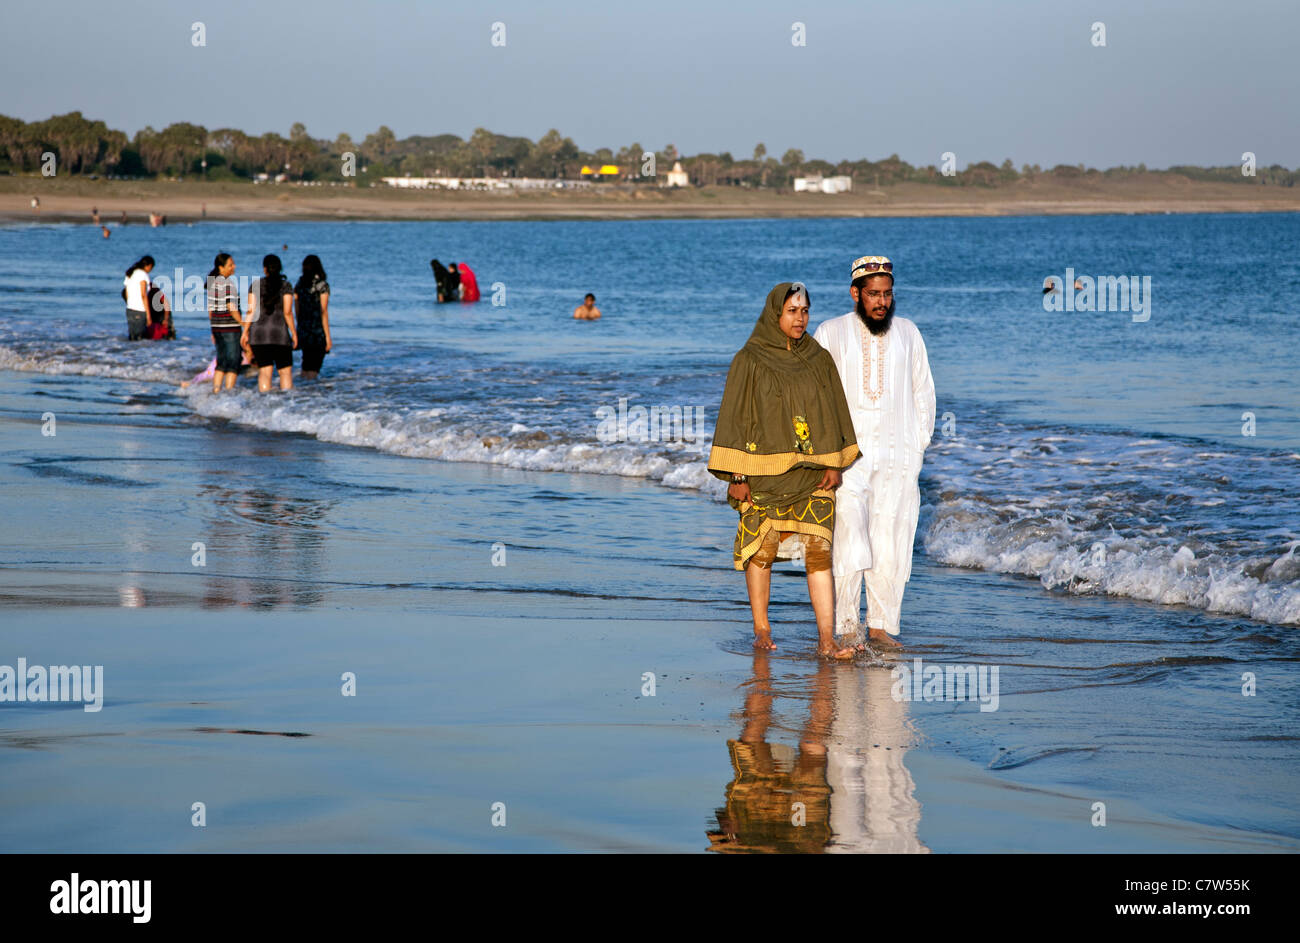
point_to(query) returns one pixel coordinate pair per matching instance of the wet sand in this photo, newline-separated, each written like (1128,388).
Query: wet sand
(523,683)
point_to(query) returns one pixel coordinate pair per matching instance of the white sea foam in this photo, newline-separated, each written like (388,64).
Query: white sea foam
(427,434)
(1066,556)
(161,371)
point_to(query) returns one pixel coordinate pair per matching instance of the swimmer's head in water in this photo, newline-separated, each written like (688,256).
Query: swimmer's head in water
(589,297)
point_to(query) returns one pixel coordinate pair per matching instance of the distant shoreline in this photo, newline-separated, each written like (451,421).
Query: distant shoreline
(71,200)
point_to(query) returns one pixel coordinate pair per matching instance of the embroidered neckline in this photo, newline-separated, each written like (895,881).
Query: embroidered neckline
(878,348)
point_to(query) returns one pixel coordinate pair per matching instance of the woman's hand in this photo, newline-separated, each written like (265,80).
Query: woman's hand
(740,491)
(329,344)
(832,479)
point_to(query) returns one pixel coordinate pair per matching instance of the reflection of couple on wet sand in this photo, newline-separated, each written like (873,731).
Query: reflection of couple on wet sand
(845,789)
(849,408)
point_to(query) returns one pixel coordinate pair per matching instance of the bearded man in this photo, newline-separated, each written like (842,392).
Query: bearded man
(882,362)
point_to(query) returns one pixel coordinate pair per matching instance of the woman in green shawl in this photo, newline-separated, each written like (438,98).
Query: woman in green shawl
(784,432)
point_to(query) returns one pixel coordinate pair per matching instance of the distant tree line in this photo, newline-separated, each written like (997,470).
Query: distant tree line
(184,150)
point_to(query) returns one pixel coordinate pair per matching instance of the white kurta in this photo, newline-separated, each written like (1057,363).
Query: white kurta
(890,392)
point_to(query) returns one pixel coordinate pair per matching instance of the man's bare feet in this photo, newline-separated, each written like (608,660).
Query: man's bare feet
(838,654)
(884,639)
(852,637)
(763,641)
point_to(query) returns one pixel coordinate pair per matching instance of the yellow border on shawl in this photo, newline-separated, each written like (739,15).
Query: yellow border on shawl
(724,461)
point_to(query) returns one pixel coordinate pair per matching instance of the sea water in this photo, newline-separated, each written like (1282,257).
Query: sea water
(1099,452)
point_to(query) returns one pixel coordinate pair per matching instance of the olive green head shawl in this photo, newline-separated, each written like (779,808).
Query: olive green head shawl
(783,406)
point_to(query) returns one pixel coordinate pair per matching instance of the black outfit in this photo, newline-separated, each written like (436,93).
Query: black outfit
(311,330)
(312,357)
(277,355)
(446,289)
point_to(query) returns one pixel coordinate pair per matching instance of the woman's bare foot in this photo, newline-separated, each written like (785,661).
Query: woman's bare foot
(763,641)
(884,639)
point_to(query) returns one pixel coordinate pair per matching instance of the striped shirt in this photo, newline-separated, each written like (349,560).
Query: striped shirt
(221,293)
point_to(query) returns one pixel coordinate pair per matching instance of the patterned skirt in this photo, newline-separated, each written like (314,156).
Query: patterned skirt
(813,516)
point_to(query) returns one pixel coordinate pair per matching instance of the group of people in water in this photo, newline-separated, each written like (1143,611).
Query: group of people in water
(257,333)
(820,437)
(276,318)
(456,282)
(280,317)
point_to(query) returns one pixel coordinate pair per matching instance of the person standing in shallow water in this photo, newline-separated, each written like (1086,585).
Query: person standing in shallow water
(271,333)
(225,320)
(783,434)
(468,282)
(443,280)
(135,289)
(312,315)
(883,363)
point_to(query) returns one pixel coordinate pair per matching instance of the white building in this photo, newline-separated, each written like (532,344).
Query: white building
(816,183)
(677,177)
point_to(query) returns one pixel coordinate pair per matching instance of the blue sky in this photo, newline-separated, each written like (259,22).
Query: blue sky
(1177,82)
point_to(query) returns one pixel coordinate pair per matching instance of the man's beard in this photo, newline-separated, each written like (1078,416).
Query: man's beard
(875,326)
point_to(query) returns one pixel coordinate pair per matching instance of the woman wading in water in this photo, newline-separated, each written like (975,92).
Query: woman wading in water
(312,316)
(784,432)
(270,330)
